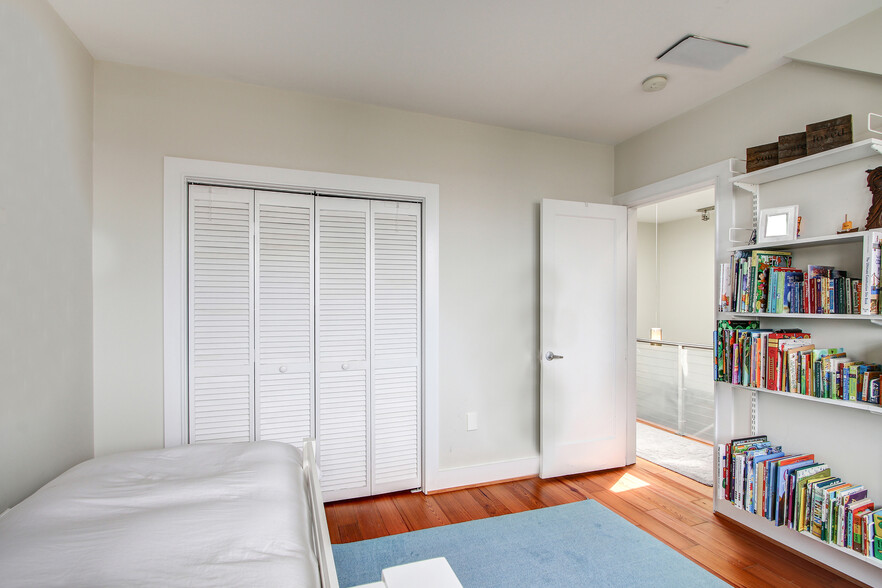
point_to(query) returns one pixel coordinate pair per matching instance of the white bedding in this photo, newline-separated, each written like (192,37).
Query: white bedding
(198,515)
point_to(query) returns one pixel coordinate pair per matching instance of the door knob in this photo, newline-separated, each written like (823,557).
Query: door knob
(551,356)
(283,369)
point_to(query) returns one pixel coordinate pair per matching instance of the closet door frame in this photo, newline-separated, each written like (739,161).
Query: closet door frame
(180,172)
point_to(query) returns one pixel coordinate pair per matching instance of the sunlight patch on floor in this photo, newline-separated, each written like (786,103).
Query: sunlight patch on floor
(628,482)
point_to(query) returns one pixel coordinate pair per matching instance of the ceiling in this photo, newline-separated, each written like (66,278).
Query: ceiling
(678,208)
(570,68)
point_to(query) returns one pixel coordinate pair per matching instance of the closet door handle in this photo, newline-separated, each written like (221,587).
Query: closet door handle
(345,366)
(283,369)
(550,356)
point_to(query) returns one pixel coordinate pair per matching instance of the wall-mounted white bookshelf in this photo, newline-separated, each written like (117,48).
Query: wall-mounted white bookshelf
(818,161)
(845,434)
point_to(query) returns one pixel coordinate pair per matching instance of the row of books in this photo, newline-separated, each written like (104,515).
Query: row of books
(788,360)
(798,492)
(763,281)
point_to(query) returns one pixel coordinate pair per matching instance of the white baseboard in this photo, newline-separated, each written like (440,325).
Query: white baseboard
(485,473)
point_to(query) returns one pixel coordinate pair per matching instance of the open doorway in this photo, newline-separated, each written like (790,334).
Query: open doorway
(675,322)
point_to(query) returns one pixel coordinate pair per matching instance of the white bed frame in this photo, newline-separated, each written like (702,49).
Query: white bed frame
(320,534)
(431,573)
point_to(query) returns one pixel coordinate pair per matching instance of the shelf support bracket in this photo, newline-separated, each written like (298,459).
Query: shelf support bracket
(877,322)
(752,188)
(877,148)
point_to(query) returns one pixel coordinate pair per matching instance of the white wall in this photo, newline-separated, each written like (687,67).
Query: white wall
(854,46)
(45,240)
(647,284)
(780,102)
(491,181)
(685,290)
(687,280)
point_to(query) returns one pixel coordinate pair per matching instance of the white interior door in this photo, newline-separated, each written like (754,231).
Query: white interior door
(583,337)
(343,346)
(396,344)
(283,308)
(221,310)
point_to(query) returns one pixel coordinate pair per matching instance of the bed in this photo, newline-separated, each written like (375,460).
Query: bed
(243,514)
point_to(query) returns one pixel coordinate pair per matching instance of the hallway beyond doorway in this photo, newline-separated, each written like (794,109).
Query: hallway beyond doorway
(683,455)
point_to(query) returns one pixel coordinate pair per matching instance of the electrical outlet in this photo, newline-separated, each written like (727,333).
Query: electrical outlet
(471,421)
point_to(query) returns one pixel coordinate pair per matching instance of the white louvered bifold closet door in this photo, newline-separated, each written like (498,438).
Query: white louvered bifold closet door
(342,345)
(283,316)
(220,314)
(305,320)
(396,344)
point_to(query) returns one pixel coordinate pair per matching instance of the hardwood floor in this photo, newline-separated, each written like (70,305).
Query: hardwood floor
(674,509)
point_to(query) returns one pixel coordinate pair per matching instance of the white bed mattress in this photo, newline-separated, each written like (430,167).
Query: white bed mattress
(199,515)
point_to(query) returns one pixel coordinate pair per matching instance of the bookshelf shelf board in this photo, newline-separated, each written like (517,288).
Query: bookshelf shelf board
(760,523)
(870,560)
(806,242)
(871,318)
(810,163)
(871,408)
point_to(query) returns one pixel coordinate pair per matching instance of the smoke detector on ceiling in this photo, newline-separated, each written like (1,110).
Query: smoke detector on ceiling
(655,83)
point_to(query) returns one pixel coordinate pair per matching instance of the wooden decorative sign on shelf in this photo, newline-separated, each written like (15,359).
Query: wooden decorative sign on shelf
(791,147)
(874,182)
(762,156)
(828,134)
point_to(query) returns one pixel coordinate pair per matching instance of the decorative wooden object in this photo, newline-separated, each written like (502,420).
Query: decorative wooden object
(762,156)
(847,227)
(791,147)
(828,134)
(874,182)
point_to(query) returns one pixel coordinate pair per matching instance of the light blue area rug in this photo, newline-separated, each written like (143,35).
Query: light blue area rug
(577,544)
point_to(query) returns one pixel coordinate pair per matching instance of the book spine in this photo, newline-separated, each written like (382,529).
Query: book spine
(871,273)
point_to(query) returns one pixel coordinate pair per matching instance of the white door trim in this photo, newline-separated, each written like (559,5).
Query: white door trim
(179,172)
(716,175)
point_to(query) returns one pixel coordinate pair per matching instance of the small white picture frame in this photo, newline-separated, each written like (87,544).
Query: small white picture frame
(777,224)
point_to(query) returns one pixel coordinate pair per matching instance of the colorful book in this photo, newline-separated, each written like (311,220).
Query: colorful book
(839,514)
(805,518)
(802,477)
(872,272)
(855,532)
(877,530)
(774,361)
(829,496)
(817,504)
(761,261)
(785,466)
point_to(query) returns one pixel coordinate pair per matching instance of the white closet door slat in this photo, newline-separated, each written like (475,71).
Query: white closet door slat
(344,435)
(396,320)
(220,314)
(284,316)
(343,279)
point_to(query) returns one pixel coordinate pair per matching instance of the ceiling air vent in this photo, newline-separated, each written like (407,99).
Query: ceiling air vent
(695,51)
